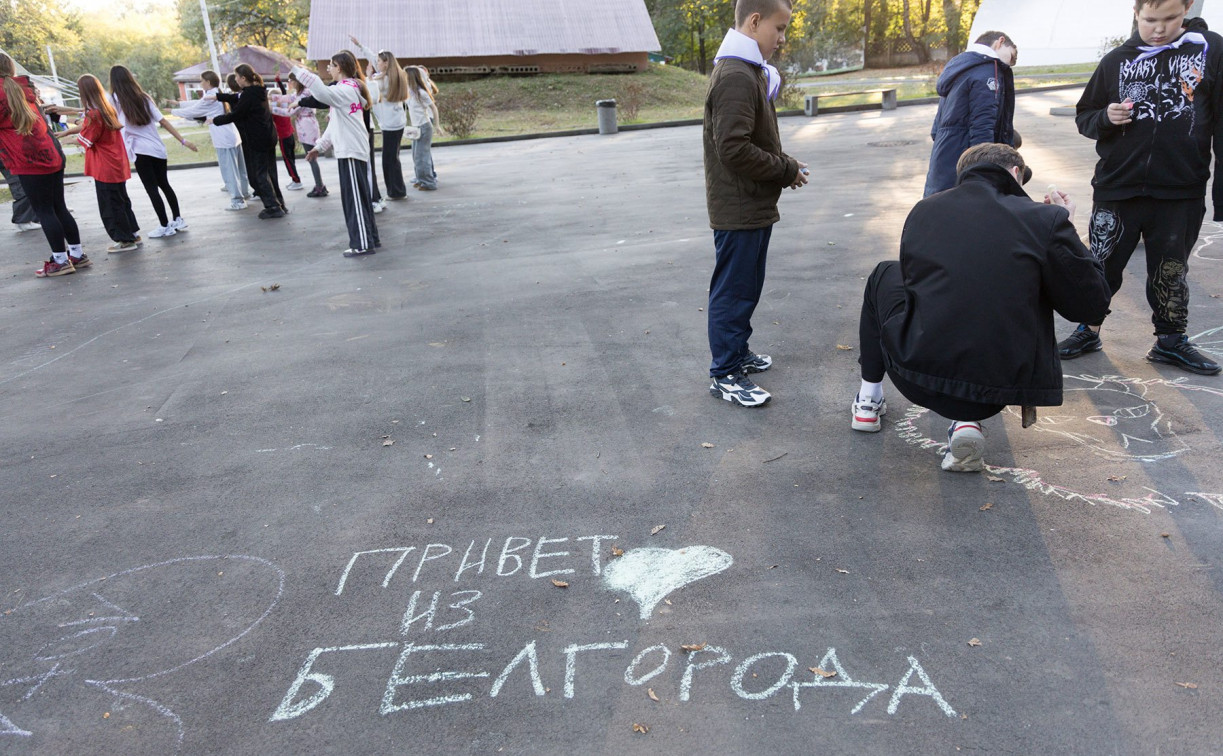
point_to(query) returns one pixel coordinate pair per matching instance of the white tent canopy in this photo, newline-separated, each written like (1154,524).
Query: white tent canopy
(1054,32)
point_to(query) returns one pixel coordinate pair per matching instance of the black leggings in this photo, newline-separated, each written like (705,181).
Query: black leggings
(373,175)
(288,150)
(46,195)
(153,174)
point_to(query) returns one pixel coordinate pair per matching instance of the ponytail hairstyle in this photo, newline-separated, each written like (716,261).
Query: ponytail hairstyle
(248,73)
(212,78)
(395,81)
(93,97)
(23,115)
(347,63)
(133,101)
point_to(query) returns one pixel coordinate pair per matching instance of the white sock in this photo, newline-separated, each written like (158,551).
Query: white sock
(59,257)
(872,391)
(74,250)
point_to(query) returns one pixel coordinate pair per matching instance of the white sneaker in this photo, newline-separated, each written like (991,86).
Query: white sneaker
(32,225)
(237,205)
(294,186)
(866,414)
(965,447)
(178,224)
(163,231)
(379,206)
(225,188)
(737,388)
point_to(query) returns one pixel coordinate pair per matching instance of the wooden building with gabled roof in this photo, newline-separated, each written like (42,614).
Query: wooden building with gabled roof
(474,37)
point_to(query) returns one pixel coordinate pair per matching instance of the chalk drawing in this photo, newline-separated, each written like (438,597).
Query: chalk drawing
(1130,427)
(398,680)
(290,710)
(736,681)
(632,678)
(1207,247)
(98,630)
(8,728)
(1213,499)
(531,656)
(648,575)
(927,689)
(685,682)
(830,663)
(1210,340)
(296,447)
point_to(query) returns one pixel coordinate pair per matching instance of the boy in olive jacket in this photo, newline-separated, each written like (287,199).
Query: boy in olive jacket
(745,171)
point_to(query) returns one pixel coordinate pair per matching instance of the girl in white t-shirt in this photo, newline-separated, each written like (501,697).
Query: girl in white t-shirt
(422,109)
(140,118)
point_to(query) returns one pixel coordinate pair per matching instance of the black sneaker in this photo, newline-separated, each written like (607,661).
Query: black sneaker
(271,212)
(739,389)
(1082,341)
(756,363)
(1178,350)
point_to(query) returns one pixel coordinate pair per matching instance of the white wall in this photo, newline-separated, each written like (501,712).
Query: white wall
(1052,32)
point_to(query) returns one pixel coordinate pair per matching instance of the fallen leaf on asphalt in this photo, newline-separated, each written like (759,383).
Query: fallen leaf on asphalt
(650,692)
(692,647)
(822,673)
(465,398)
(843,572)
(844,347)
(706,445)
(106,715)
(559,583)
(1116,478)
(667,602)
(428,456)
(617,551)
(1165,535)
(388,442)
(640,728)
(657,529)
(1190,686)
(974,642)
(774,566)
(994,479)
(988,506)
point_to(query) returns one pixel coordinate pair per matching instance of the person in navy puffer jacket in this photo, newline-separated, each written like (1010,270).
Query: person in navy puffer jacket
(976,105)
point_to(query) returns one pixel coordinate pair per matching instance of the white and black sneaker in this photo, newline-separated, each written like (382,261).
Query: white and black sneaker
(866,414)
(756,363)
(965,448)
(739,389)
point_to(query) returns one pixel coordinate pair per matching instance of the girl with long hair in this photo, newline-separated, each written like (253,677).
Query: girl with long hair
(225,139)
(140,118)
(388,86)
(251,114)
(346,132)
(306,125)
(284,133)
(422,109)
(101,134)
(33,156)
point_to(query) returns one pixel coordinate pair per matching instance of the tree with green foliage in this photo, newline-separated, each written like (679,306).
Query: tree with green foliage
(28,26)
(279,25)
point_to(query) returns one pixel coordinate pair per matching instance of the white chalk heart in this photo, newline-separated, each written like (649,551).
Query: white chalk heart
(648,575)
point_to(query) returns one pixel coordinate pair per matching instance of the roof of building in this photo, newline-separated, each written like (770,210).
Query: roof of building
(265,62)
(475,28)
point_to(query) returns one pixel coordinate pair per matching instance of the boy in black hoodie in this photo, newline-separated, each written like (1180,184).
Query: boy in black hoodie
(1154,106)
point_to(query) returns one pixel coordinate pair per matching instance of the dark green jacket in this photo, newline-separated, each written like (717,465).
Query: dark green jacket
(745,169)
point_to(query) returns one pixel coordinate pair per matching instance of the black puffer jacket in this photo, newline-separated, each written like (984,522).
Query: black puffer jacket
(745,169)
(984,269)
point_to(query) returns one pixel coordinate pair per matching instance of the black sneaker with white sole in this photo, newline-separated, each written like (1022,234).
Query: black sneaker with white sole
(756,363)
(738,389)
(1178,350)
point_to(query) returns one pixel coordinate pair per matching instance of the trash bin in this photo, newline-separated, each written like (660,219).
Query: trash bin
(607,116)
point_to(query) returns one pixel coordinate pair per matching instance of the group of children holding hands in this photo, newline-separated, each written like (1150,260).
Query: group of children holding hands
(246,124)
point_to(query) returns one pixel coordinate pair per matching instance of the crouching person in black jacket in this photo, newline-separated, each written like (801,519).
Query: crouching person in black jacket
(963,323)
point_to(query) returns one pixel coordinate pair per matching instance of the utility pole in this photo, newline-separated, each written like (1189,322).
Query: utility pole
(51,58)
(212,47)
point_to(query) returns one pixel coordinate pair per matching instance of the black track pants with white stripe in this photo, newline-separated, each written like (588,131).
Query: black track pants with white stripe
(358,207)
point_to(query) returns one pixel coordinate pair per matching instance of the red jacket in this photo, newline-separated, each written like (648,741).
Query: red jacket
(33,155)
(105,153)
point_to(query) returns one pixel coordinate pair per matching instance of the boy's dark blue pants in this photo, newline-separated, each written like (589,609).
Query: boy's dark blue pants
(734,292)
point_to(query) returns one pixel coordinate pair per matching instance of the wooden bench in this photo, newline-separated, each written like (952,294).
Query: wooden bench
(812,104)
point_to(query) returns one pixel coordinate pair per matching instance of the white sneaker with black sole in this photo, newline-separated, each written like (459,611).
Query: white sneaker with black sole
(163,231)
(738,389)
(866,414)
(965,448)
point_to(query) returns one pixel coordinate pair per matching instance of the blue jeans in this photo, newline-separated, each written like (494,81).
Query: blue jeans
(422,157)
(734,292)
(233,171)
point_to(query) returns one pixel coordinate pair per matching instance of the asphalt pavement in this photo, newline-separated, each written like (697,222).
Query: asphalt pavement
(470,494)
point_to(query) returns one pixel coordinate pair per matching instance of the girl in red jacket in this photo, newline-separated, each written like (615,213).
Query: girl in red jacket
(33,155)
(101,134)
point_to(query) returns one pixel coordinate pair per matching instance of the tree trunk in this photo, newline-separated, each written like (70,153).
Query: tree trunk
(700,37)
(923,52)
(867,6)
(955,40)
